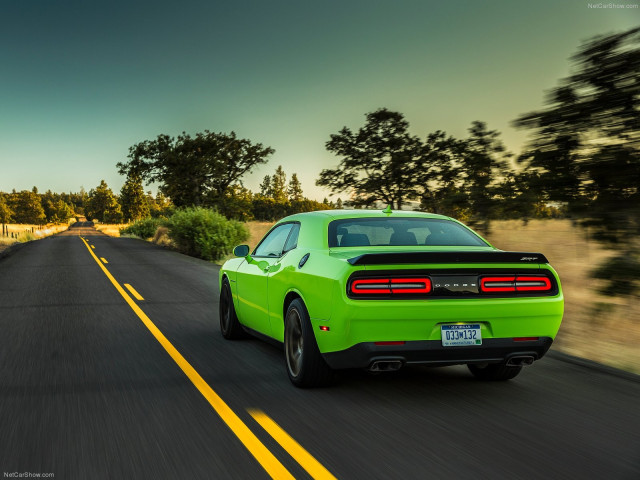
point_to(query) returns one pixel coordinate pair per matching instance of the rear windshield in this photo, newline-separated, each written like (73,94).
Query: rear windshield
(361,232)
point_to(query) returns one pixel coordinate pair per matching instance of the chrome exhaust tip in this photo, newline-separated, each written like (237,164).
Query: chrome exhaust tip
(520,361)
(385,366)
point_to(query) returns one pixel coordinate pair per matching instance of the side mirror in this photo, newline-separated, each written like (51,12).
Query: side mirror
(241,251)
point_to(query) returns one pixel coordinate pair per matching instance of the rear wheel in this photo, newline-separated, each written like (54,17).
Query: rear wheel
(305,365)
(494,371)
(229,324)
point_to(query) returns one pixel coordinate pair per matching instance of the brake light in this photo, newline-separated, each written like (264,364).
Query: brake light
(386,286)
(369,286)
(497,284)
(410,285)
(530,284)
(518,283)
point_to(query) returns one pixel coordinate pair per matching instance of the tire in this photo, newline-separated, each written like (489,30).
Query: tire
(494,371)
(229,324)
(305,366)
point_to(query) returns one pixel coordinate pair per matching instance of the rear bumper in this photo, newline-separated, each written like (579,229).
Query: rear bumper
(431,352)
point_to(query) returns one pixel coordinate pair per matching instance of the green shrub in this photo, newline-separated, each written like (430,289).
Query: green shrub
(143,228)
(204,233)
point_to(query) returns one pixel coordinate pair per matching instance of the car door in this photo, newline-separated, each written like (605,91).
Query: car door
(252,276)
(281,279)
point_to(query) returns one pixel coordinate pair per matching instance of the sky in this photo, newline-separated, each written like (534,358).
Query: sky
(81,82)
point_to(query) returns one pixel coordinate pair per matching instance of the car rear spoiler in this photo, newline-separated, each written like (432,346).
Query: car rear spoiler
(447,257)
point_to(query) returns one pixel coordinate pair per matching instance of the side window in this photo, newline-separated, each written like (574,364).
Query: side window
(292,241)
(273,244)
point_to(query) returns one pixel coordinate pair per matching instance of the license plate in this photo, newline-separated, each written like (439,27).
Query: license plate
(458,335)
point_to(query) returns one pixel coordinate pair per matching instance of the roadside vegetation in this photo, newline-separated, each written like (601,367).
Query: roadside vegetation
(19,233)
(596,326)
(195,231)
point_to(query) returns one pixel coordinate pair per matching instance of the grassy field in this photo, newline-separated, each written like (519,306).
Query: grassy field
(23,233)
(595,327)
(113,230)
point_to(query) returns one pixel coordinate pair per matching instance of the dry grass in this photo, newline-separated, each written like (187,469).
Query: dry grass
(113,230)
(595,327)
(257,231)
(161,237)
(25,232)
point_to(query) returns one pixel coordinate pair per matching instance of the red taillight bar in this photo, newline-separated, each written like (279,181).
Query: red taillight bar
(497,284)
(410,285)
(518,283)
(530,284)
(370,286)
(385,286)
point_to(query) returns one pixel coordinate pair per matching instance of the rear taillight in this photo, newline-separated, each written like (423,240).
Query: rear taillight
(371,286)
(386,286)
(498,284)
(519,283)
(531,284)
(410,285)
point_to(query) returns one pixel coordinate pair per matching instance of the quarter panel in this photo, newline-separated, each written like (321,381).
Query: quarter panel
(314,283)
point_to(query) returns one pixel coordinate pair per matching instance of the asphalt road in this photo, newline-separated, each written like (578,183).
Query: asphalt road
(86,390)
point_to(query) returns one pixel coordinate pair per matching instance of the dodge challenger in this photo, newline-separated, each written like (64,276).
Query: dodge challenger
(382,289)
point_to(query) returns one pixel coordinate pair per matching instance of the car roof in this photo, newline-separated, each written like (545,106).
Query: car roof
(314,235)
(361,213)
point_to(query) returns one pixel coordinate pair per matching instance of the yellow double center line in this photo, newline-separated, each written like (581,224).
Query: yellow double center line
(268,461)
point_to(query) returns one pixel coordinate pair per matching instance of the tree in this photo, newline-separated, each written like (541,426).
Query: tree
(441,174)
(56,208)
(484,161)
(237,203)
(585,148)
(265,187)
(378,161)
(194,170)
(295,188)
(132,199)
(461,178)
(27,207)
(158,206)
(279,185)
(5,211)
(61,211)
(102,205)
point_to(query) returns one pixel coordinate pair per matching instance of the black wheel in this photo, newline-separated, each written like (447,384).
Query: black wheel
(229,324)
(494,371)
(305,365)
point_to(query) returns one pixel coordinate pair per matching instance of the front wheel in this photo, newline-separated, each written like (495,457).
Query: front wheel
(305,365)
(494,371)
(229,324)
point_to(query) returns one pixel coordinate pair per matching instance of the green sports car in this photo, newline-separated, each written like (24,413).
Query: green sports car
(381,289)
